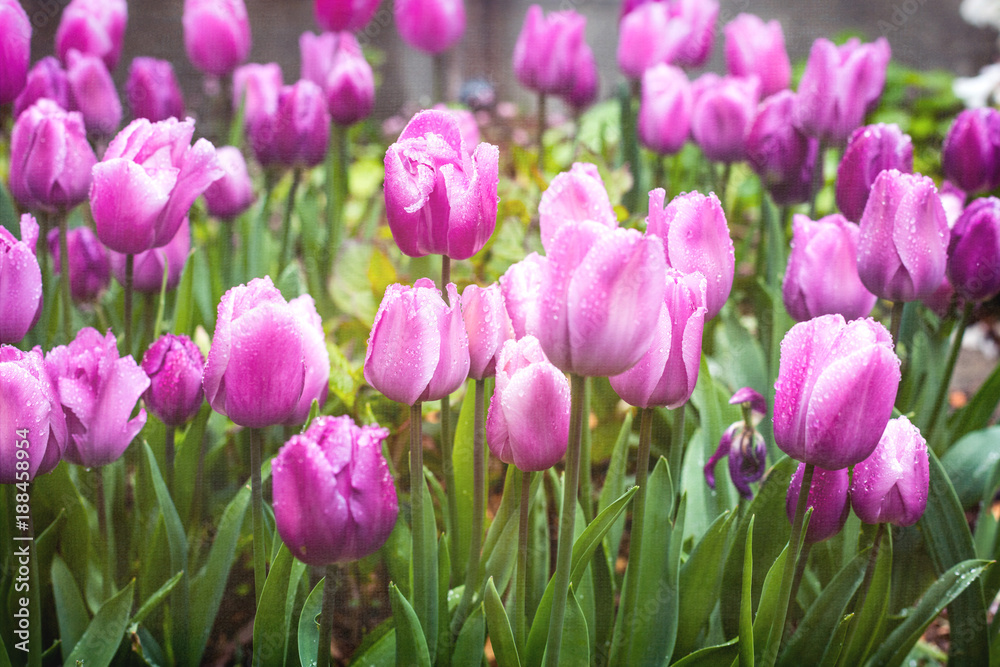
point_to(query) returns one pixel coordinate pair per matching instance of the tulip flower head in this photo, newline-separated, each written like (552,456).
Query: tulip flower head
(20,281)
(431,26)
(782,156)
(585,80)
(316,384)
(974,251)
(30,409)
(89,266)
(15,54)
(721,117)
(232,194)
(335,63)
(439,199)
(152,90)
(548,49)
(296,132)
(488,326)
(149,266)
(521,286)
(92,92)
(572,196)
(649,36)
(756,48)
(338,15)
(700,17)
(664,120)
(175,367)
(93,27)
(256,88)
(743,444)
(891,485)
(216,34)
(970,156)
(829,497)
(334,499)
(47,78)
(870,150)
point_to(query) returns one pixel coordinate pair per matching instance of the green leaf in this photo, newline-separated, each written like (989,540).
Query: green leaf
(272,624)
(184,303)
(443,578)
(746,602)
(411,646)
(471,640)
(721,655)
(500,548)
(71,612)
(189,451)
(700,581)
(768,606)
(98,645)
(462,459)
(154,600)
(308,632)
(501,636)
(970,463)
(614,485)
(429,586)
(871,617)
(894,649)
(378,647)
(977,413)
(574,649)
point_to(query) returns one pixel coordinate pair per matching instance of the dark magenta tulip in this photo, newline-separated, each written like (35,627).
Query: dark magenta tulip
(175,367)
(891,485)
(152,90)
(93,27)
(89,266)
(216,34)
(974,251)
(870,150)
(829,496)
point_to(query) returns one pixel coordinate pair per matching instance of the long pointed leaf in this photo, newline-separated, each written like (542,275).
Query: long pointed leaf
(99,644)
(501,636)
(411,646)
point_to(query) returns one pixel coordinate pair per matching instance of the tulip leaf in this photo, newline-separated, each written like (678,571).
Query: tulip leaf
(471,640)
(721,655)
(378,647)
(411,646)
(768,605)
(154,600)
(603,577)
(746,641)
(462,459)
(308,632)
(700,581)
(425,578)
(57,492)
(970,464)
(71,612)
(977,413)
(443,586)
(183,320)
(99,643)
(539,549)
(502,555)
(189,451)
(573,649)
(614,485)
(501,635)
(271,625)
(871,617)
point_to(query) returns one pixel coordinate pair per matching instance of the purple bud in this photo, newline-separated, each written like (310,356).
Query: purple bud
(828,496)
(15,54)
(970,156)
(216,34)
(89,267)
(93,27)
(175,366)
(47,78)
(20,281)
(891,485)
(232,194)
(297,132)
(92,92)
(755,48)
(782,156)
(665,109)
(152,90)
(488,326)
(29,403)
(870,150)
(974,251)
(585,79)
(431,26)
(722,115)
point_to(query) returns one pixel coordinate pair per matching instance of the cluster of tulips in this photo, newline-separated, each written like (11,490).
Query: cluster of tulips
(858,417)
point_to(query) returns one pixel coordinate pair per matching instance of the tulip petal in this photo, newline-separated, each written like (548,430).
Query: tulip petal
(534,407)
(126,201)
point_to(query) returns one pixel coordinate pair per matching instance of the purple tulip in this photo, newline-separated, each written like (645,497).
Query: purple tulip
(755,48)
(547,50)
(232,194)
(256,369)
(891,485)
(89,267)
(316,385)
(870,150)
(665,109)
(468,126)
(29,405)
(722,115)
(602,291)
(438,199)
(522,293)
(667,373)
(93,27)
(836,386)
(15,49)
(700,16)
(99,391)
(47,78)
(839,85)
(574,196)
(432,26)
(92,93)
(970,156)
(528,420)
(338,15)
(418,349)
(782,156)
(335,63)
(829,496)
(585,80)
(20,281)
(974,251)
(902,250)
(334,499)
(743,444)
(822,275)
(695,238)
(648,36)
(50,158)
(256,88)
(488,325)
(297,132)
(175,367)
(149,265)
(152,90)
(216,34)
(147,181)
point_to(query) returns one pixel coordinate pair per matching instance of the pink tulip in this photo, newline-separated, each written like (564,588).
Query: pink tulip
(829,497)
(755,48)
(15,49)
(488,326)
(574,196)
(337,15)
(93,27)
(152,90)
(29,405)
(232,194)
(216,34)
(89,267)
(175,367)
(432,26)
(664,120)
(20,281)
(92,92)
(891,485)
(522,293)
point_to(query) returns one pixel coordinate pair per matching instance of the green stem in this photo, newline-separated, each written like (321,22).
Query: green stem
(567,519)
(253,240)
(866,583)
(337,188)
(103,520)
(326,619)
(129,272)
(447,444)
(586,442)
(727,169)
(168,452)
(633,157)
(791,558)
(541,130)
(64,270)
(286,232)
(942,394)
(818,180)
(521,574)
(257,499)
(895,320)
(421,597)
(675,457)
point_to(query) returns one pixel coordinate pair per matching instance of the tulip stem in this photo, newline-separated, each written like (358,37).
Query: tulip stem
(541,130)
(727,169)
(421,597)
(440,68)
(521,574)
(286,232)
(895,321)
(326,618)
(788,574)
(447,444)
(337,188)
(630,140)
(567,519)
(586,441)
(675,458)
(103,521)
(949,369)
(257,498)
(817,181)
(129,272)
(64,270)
(862,593)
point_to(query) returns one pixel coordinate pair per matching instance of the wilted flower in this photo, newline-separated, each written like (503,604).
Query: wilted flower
(743,444)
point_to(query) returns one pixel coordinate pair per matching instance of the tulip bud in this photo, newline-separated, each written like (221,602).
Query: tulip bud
(528,419)
(47,78)
(700,16)
(574,196)
(92,92)
(695,238)
(722,115)
(647,36)
(743,444)
(20,281)
(232,194)
(152,90)
(869,151)
(584,88)
(902,249)
(50,158)
(149,265)
(822,275)
(665,109)
(334,499)
(297,132)
(667,373)
(891,485)
(15,56)
(438,199)
(974,251)
(98,390)
(970,156)
(335,63)
(828,496)
(836,386)
(432,26)
(338,15)
(89,267)
(547,49)
(755,48)
(782,156)
(522,293)
(93,27)
(488,326)
(256,88)
(418,349)
(175,367)
(216,34)
(33,417)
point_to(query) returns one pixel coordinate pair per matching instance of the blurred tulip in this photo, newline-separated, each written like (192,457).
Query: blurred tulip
(836,386)
(175,367)
(468,126)
(870,150)
(829,497)
(232,194)
(152,90)
(93,27)
(147,181)
(316,385)
(418,349)
(50,158)
(20,281)
(15,49)
(665,109)
(700,17)
(585,80)
(216,34)
(755,48)
(334,499)
(488,325)
(722,115)
(439,199)
(902,249)
(47,78)
(99,391)
(256,88)
(547,50)
(431,26)
(574,196)
(743,444)
(335,63)
(667,373)
(891,485)
(528,420)
(89,266)
(970,156)
(822,274)
(30,409)
(338,15)
(521,286)
(695,238)
(297,132)
(782,156)
(839,85)
(149,265)
(92,92)
(647,36)
(974,251)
